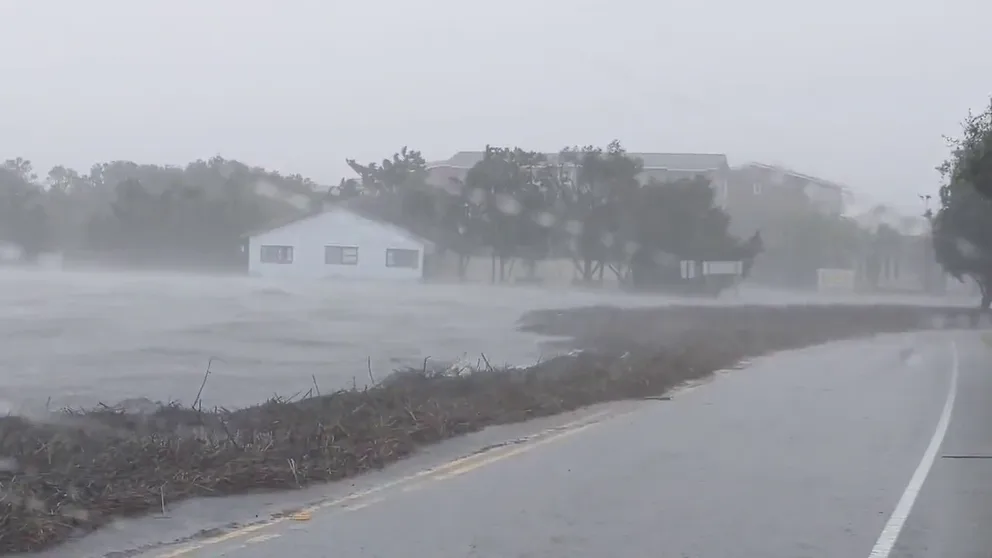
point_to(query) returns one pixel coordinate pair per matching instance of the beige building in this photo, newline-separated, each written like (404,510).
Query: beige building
(664,167)
(760,188)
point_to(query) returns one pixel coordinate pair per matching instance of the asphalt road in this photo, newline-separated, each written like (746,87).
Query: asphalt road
(820,452)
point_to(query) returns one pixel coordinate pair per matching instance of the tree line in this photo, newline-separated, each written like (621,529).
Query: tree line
(585,202)
(139,214)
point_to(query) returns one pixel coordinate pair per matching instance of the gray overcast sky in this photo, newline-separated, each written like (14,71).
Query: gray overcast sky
(855,91)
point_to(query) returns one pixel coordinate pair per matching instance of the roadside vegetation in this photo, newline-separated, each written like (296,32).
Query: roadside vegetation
(72,472)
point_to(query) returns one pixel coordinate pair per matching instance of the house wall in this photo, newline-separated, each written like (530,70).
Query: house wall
(309,236)
(826,199)
(442,175)
(757,196)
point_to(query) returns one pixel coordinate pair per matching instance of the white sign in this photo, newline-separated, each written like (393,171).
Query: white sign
(723,268)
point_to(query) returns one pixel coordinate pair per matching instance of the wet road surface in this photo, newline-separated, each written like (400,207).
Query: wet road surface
(953,512)
(804,453)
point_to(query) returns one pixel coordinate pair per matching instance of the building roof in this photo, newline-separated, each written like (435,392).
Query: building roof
(278,224)
(785,170)
(683,161)
(356,211)
(698,162)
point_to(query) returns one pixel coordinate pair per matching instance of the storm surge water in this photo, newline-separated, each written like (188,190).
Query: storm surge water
(79,339)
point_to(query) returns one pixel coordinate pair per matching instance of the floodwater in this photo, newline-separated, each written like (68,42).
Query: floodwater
(78,339)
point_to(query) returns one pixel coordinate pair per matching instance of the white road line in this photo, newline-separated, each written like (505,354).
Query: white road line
(887,540)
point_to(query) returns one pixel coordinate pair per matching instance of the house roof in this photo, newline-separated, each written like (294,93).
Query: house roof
(683,161)
(369,214)
(275,225)
(278,224)
(698,162)
(818,181)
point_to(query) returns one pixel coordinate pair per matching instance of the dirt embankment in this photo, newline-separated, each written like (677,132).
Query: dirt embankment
(74,472)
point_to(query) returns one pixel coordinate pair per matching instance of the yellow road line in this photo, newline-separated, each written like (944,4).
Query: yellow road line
(441,472)
(240,532)
(262,538)
(511,453)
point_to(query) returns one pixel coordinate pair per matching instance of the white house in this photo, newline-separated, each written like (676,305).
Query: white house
(10,252)
(336,243)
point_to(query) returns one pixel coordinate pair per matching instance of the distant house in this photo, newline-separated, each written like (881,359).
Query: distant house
(783,189)
(659,166)
(901,257)
(668,167)
(337,243)
(10,252)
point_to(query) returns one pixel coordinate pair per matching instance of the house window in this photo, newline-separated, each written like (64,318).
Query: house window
(396,257)
(341,255)
(277,254)
(756,188)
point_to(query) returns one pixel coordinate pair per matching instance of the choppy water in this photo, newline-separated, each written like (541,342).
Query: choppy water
(82,338)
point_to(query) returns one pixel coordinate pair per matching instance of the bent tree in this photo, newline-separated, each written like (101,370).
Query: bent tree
(962,227)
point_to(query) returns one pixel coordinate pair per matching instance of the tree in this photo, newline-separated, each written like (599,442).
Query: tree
(24,219)
(405,170)
(62,179)
(680,218)
(20,168)
(678,221)
(402,177)
(962,227)
(507,194)
(347,189)
(971,158)
(962,236)
(598,189)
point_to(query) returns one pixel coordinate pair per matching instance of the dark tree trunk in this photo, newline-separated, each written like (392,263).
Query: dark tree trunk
(585,268)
